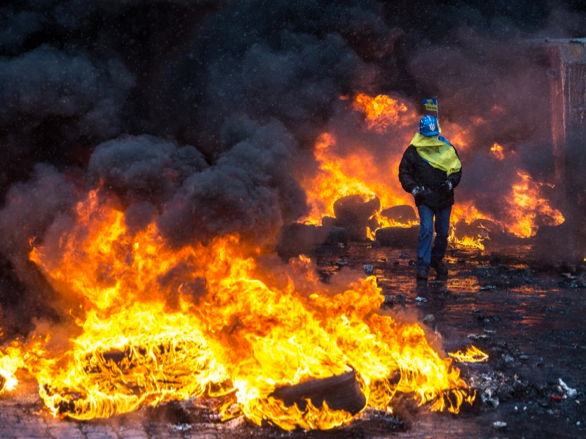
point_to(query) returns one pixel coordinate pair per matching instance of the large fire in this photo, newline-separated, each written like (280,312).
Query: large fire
(156,324)
(340,175)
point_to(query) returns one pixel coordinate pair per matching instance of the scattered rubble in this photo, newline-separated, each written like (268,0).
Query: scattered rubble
(567,391)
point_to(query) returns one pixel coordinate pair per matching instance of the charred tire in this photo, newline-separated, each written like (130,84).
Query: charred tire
(341,392)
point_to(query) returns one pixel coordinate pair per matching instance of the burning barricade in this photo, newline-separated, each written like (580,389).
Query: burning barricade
(359,190)
(233,336)
(155,322)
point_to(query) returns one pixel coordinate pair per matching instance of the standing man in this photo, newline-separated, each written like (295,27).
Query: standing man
(430,170)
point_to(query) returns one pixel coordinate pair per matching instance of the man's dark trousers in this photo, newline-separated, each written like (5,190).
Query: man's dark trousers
(425,252)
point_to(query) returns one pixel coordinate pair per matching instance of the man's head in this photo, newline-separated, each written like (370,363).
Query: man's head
(428,126)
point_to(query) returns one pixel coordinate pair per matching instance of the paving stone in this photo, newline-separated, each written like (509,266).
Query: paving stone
(68,431)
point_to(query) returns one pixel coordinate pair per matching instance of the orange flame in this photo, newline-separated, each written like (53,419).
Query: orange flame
(160,324)
(10,361)
(526,204)
(339,177)
(335,179)
(357,174)
(360,172)
(472,355)
(382,111)
(468,213)
(497,151)
(467,241)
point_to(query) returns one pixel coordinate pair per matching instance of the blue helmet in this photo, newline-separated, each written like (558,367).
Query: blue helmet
(428,126)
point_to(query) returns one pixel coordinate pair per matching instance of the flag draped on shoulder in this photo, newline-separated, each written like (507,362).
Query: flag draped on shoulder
(438,152)
(430,104)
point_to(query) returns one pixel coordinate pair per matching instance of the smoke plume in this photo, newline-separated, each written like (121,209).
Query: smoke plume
(201,116)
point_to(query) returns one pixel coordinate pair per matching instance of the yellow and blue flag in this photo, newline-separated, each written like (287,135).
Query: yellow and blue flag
(430,104)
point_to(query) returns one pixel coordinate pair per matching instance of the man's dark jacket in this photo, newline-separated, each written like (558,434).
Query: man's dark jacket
(415,171)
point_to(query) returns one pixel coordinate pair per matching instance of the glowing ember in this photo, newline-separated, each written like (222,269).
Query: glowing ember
(472,355)
(497,151)
(162,324)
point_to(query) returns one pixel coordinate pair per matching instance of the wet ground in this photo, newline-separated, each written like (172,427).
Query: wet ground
(529,317)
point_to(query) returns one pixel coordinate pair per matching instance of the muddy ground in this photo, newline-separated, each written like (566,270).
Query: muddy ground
(530,317)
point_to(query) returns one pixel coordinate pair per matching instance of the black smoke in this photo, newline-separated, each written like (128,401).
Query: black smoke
(200,115)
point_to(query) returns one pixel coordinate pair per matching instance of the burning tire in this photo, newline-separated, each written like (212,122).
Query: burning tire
(398,237)
(340,392)
(299,239)
(353,213)
(403,214)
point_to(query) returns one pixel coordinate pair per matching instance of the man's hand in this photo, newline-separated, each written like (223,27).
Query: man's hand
(417,192)
(446,186)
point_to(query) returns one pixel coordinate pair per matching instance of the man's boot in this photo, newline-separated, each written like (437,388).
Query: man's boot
(422,273)
(439,267)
